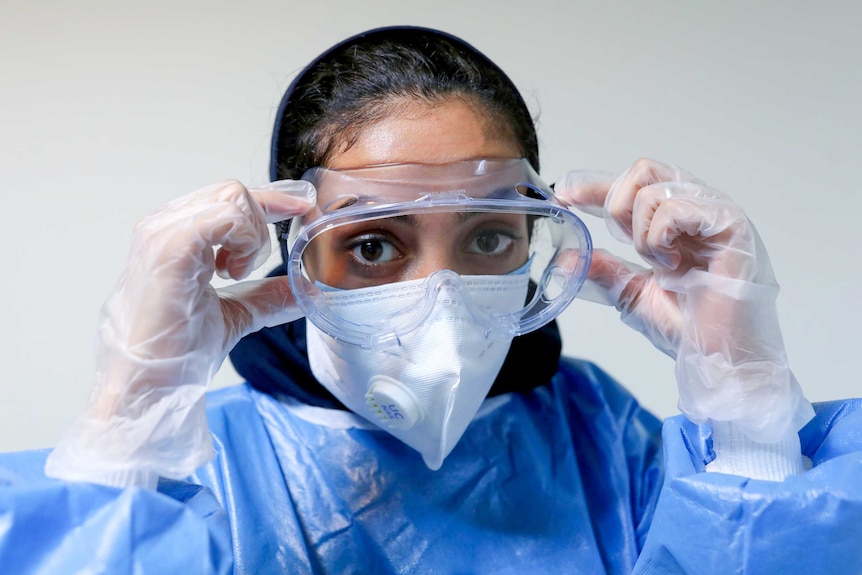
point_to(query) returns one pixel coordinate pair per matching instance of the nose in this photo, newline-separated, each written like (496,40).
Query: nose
(435,245)
(433,255)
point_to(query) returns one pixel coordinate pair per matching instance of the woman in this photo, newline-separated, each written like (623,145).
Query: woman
(558,469)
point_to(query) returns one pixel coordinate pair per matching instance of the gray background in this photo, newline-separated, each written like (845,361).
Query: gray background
(110,109)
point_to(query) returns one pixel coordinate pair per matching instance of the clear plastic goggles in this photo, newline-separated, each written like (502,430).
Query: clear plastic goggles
(441,234)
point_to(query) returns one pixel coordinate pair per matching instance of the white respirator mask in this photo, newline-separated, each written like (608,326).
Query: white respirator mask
(426,390)
(414,280)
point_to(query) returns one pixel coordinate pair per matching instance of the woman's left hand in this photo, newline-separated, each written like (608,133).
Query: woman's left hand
(708,299)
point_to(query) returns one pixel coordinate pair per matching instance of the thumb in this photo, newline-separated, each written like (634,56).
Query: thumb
(642,304)
(608,278)
(252,305)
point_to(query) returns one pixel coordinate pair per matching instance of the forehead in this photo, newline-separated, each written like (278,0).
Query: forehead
(423,185)
(427,133)
(441,221)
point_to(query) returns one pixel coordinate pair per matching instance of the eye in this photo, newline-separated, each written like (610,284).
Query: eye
(373,250)
(490,242)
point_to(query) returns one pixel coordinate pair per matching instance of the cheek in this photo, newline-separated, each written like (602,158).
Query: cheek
(321,265)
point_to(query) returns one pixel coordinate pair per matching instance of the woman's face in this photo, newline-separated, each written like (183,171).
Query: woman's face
(411,247)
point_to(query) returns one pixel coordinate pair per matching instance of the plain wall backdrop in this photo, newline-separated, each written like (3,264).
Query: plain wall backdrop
(110,109)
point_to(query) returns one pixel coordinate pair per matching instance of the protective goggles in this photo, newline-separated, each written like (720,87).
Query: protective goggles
(444,233)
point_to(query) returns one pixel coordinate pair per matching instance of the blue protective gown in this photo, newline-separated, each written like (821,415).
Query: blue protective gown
(564,478)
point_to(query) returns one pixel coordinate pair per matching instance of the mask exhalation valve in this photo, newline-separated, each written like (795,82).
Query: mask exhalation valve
(392,403)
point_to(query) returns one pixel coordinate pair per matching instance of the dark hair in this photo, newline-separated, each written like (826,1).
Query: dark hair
(357,82)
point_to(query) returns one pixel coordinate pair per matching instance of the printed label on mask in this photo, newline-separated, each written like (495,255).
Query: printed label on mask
(393,403)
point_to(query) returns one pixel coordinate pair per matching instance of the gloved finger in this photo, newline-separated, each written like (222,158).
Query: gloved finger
(284,199)
(176,241)
(585,190)
(172,260)
(680,231)
(608,278)
(646,203)
(251,305)
(633,291)
(245,245)
(619,202)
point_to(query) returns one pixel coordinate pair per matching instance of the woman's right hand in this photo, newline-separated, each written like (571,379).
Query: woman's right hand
(165,331)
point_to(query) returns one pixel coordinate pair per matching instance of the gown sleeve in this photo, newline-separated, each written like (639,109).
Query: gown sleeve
(718,523)
(54,526)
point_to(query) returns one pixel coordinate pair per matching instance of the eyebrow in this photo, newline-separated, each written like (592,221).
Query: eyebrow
(408,219)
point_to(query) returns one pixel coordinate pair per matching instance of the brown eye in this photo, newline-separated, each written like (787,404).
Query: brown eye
(490,242)
(487,242)
(374,251)
(371,251)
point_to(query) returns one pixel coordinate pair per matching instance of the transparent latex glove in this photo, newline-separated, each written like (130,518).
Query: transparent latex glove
(708,300)
(165,331)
